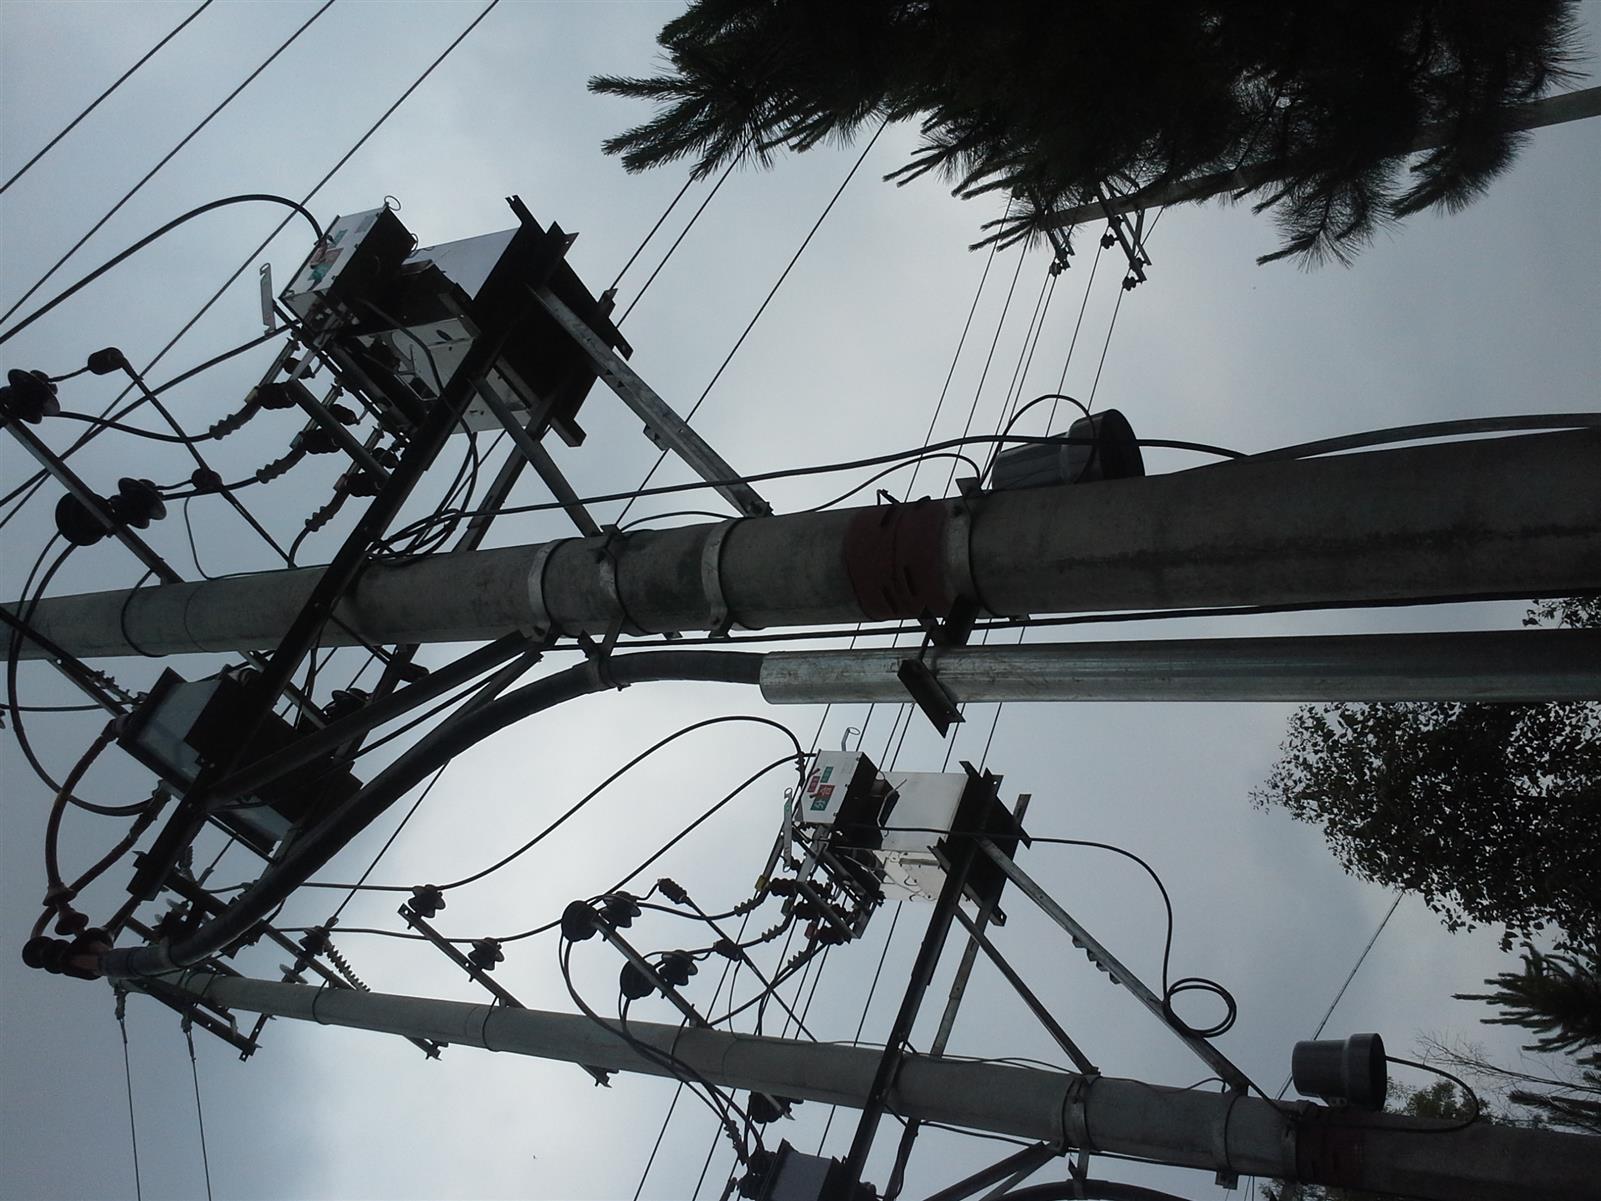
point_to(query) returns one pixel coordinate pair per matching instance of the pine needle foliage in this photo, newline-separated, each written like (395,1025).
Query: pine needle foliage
(1055,103)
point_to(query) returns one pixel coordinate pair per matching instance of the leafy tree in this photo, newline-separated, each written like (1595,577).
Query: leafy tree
(1486,810)
(1054,102)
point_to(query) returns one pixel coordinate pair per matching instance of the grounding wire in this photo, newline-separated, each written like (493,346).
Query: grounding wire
(127,1072)
(162,162)
(95,103)
(200,1113)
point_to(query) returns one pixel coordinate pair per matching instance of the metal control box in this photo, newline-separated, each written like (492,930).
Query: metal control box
(399,320)
(179,727)
(891,822)
(922,811)
(348,266)
(837,788)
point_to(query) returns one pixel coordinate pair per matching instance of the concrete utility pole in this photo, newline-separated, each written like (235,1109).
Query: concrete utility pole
(1226,1132)
(1553,110)
(1516,516)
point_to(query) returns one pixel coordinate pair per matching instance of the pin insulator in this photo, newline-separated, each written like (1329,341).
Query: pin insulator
(427,900)
(28,396)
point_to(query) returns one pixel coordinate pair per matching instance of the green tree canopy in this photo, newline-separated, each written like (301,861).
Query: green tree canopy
(1053,102)
(1488,811)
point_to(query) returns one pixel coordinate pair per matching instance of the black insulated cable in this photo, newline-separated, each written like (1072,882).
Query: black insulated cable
(336,830)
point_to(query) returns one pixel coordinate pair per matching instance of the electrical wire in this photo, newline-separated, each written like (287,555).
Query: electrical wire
(246,198)
(989,357)
(722,978)
(914,463)
(675,1067)
(151,173)
(682,234)
(1170,988)
(640,249)
(38,478)
(5,703)
(1478,1109)
(162,162)
(866,1005)
(27,603)
(762,308)
(828,468)
(715,808)
(611,779)
(95,103)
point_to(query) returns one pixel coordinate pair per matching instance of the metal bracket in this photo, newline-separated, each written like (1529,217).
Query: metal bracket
(662,424)
(932,697)
(268,298)
(641,964)
(1129,237)
(937,702)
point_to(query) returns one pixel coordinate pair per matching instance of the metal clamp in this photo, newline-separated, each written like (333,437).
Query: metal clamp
(541,620)
(958,538)
(719,619)
(1075,1116)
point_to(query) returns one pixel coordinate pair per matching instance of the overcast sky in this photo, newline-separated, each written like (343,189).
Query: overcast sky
(1492,311)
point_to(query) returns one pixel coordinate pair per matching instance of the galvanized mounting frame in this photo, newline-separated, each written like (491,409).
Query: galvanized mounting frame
(1204,1050)
(663,425)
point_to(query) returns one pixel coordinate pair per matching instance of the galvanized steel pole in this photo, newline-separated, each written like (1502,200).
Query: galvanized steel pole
(1183,1127)
(1517,666)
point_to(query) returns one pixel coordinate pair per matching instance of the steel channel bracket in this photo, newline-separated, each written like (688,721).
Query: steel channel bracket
(664,426)
(416,922)
(651,974)
(539,458)
(1210,1055)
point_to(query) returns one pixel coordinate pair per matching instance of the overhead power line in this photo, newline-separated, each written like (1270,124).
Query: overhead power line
(95,103)
(762,308)
(166,158)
